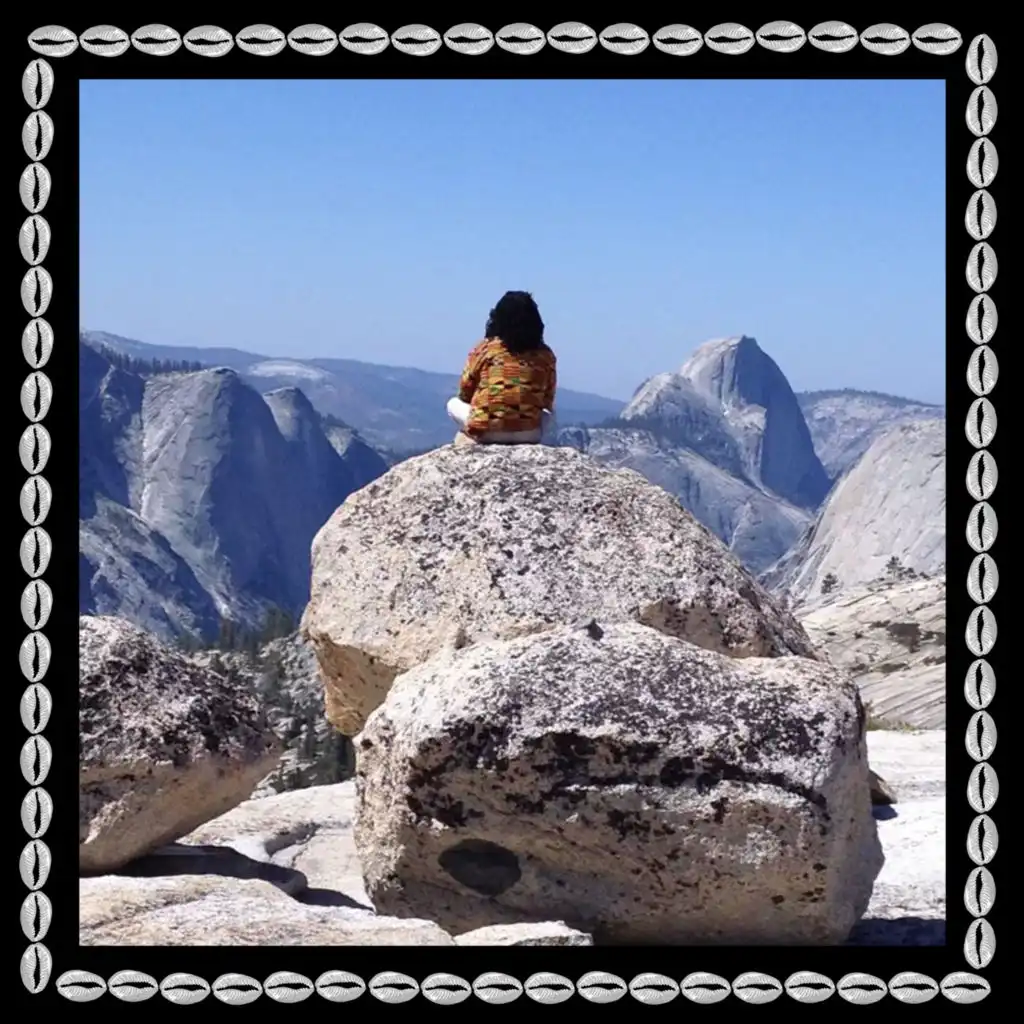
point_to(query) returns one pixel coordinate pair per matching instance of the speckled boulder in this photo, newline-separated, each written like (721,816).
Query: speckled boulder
(486,542)
(164,744)
(635,786)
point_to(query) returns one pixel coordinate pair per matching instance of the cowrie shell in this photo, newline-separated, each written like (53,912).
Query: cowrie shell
(36,549)
(156,41)
(653,989)
(132,986)
(729,38)
(862,989)
(105,41)
(237,989)
(980,684)
(938,39)
(261,41)
(757,988)
(981,423)
(36,915)
(980,943)
(982,60)
(417,40)
(982,267)
(34,240)
(393,987)
(37,135)
(982,370)
(886,39)
(36,812)
(81,986)
(704,988)
(913,988)
(446,989)
(781,36)
(37,84)
(678,40)
(809,987)
(34,657)
(36,291)
(983,788)
(624,39)
(572,37)
(35,187)
(549,988)
(53,40)
(834,37)
(34,864)
(36,965)
(980,219)
(287,986)
(184,989)
(469,39)
(496,988)
(980,892)
(364,38)
(982,111)
(37,344)
(982,840)
(314,41)
(601,987)
(982,527)
(981,632)
(339,986)
(36,394)
(36,497)
(35,707)
(209,41)
(34,448)
(36,758)
(520,39)
(982,579)
(982,320)
(982,163)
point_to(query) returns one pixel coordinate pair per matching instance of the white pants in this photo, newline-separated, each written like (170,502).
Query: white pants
(459,411)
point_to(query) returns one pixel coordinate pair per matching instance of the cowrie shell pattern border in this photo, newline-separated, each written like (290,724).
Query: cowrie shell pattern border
(50,43)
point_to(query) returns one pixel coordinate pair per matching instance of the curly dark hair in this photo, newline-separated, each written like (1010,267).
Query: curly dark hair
(516,320)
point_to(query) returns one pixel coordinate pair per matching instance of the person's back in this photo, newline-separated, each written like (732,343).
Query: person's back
(507,388)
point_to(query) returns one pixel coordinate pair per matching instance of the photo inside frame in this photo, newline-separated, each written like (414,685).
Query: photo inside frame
(512,513)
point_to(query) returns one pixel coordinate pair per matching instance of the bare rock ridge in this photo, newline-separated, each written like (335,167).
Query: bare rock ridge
(844,423)
(757,409)
(482,542)
(199,497)
(892,503)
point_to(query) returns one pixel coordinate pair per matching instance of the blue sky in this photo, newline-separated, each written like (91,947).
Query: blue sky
(380,220)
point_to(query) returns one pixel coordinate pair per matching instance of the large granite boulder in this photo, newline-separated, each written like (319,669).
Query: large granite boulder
(631,784)
(474,543)
(164,744)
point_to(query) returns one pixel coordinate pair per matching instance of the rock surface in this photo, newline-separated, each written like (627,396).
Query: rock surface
(843,424)
(891,637)
(633,785)
(481,542)
(163,745)
(551,933)
(892,503)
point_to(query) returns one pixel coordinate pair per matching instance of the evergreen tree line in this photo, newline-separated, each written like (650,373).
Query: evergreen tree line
(232,636)
(148,367)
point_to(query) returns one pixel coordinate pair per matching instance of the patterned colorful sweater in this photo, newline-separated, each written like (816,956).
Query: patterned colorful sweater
(507,391)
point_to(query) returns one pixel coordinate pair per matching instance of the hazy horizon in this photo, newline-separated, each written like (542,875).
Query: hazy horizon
(379,221)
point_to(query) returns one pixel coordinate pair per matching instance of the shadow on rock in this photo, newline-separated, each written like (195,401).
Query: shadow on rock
(901,931)
(330,898)
(884,813)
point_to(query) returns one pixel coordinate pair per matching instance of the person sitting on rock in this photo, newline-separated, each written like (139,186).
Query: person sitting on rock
(507,390)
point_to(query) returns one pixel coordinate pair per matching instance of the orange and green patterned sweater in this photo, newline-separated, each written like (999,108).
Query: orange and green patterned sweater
(507,391)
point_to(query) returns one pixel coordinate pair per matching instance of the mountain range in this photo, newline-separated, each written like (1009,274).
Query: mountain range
(201,488)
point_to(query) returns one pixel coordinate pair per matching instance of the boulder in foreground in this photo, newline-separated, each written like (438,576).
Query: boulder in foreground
(632,785)
(475,543)
(164,745)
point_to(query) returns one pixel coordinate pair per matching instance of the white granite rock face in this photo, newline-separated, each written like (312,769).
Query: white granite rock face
(633,785)
(487,542)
